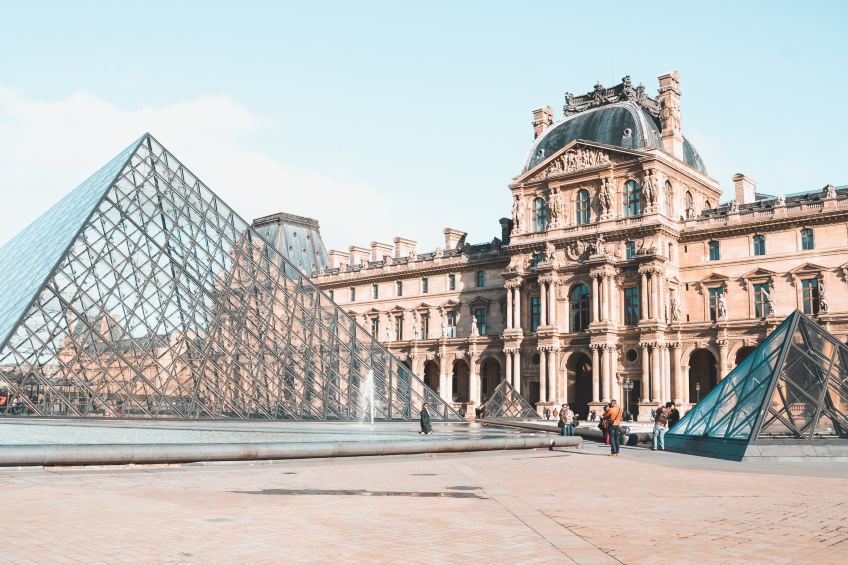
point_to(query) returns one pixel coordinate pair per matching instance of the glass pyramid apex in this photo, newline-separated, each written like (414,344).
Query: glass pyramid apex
(157,300)
(792,388)
(506,402)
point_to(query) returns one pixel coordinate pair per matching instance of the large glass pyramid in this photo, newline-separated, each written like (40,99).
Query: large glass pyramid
(792,388)
(141,294)
(506,402)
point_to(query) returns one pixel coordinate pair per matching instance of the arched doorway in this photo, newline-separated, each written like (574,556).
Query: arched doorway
(490,377)
(461,391)
(578,370)
(431,375)
(702,371)
(743,352)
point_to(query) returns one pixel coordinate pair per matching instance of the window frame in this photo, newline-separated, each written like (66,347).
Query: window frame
(632,199)
(535,312)
(425,285)
(629,249)
(579,309)
(399,288)
(713,293)
(808,239)
(760,304)
(480,314)
(714,250)
(452,320)
(813,297)
(353,294)
(759,245)
(540,214)
(481,279)
(375,291)
(583,207)
(451,281)
(632,306)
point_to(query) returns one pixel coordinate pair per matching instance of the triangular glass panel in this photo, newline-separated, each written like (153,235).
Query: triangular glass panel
(506,402)
(141,294)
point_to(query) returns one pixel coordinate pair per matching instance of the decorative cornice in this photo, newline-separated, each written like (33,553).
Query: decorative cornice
(602,96)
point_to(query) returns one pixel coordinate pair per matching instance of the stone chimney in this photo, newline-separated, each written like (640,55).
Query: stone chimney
(403,247)
(746,189)
(453,238)
(506,229)
(337,258)
(669,100)
(542,120)
(380,250)
(359,255)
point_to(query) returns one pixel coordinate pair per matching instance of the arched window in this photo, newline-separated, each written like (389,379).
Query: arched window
(540,214)
(584,213)
(759,244)
(669,200)
(707,205)
(579,308)
(629,249)
(632,199)
(690,202)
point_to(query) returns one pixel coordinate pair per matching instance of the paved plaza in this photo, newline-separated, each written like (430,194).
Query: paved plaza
(565,506)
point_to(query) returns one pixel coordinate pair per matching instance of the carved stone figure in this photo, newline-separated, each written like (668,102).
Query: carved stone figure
(781,200)
(676,312)
(550,252)
(830,191)
(722,307)
(574,160)
(606,195)
(516,215)
(416,326)
(690,213)
(552,210)
(474,330)
(413,256)
(734,206)
(444,326)
(650,185)
(670,115)
(823,305)
(769,302)
(387,260)
(438,253)
(597,247)
(576,250)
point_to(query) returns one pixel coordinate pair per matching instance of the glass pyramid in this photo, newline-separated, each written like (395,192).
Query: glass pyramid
(792,388)
(506,402)
(141,294)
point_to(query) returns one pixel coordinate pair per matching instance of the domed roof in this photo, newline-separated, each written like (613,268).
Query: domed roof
(624,124)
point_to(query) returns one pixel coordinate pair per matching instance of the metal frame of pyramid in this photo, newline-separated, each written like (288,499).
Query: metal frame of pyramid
(141,294)
(507,403)
(788,397)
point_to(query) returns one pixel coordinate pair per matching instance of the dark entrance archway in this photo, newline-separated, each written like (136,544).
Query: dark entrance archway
(578,375)
(431,375)
(702,371)
(490,377)
(743,352)
(461,392)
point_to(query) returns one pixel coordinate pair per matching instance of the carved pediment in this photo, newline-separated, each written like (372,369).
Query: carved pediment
(712,280)
(806,268)
(758,274)
(575,157)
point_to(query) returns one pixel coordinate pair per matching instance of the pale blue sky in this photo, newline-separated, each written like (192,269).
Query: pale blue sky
(410,104)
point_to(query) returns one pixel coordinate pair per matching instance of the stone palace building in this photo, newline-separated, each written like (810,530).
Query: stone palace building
(620,274)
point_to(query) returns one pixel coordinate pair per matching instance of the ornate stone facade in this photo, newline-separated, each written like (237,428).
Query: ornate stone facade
(619,274)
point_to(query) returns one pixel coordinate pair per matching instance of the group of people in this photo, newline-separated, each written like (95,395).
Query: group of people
(664,418)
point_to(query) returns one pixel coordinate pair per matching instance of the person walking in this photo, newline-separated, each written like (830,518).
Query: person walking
(661,426)
(674,416)
(569,419)
(426,426)
(612,417)
(561,421)
(547,413)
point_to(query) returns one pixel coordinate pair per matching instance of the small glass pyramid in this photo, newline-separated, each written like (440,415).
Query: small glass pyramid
(141,294)
(506,402)
(792,388)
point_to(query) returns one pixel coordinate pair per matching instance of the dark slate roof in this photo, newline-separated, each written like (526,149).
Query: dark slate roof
(624,124)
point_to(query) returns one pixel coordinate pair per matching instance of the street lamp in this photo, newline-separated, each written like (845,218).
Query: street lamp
(628,386)
(698,391)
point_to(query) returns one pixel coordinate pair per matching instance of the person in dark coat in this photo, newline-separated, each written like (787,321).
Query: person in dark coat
(426,427)
(674,417)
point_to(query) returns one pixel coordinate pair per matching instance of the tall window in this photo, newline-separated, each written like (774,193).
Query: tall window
(452,323)
(399,288)
(669,200)
(331,294)
(760,303)
(714,294)
(631,305)
(451,282)
(707,205)
(759,245)
(629,249)
(535,313)
(480,314)
(690,202)
(534,262)
(807,239)
(352,294)
(425,285)
(810,295)
(481,279)
(715,254)
(398,328)
(632,199)
(375,291)
(375,327)
(540,214)
(583,210)
(425,326)
(579,306)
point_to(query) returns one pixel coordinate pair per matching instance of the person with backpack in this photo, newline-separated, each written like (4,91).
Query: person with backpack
(612,420)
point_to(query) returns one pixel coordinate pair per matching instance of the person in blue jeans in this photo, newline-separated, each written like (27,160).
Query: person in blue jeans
(612,416)
(661,426)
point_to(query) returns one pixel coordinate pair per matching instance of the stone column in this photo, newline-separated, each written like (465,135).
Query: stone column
(543,304)
(516,373)
(614,380)
(678,375)
(508,367)
(722,359)
(666,374)
(553,376)
(594,298)
(552,303)
(662,299)
(655,374)
(543,375)
(509,307)
(596,381)
(444,385)
(474,376)
(516,315)
(646,376)
(643,310)
(654,296)
(608,298)
(566,326)
(605,376)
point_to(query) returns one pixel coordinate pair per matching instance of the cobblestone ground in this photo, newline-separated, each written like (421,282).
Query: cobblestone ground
(528,507)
